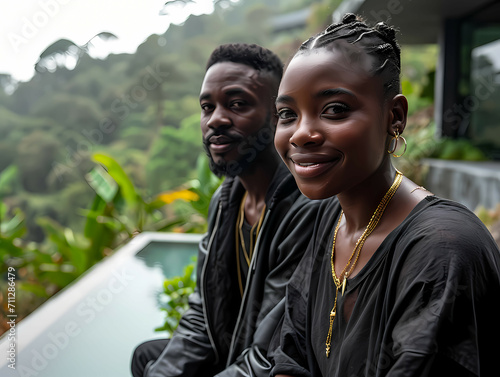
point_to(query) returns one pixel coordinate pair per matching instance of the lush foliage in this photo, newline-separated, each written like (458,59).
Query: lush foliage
(142,109)
(93,155)
(491,218)
(117,213)
(174,299)
(418,74)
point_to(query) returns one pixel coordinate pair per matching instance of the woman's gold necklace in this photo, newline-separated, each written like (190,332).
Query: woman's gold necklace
(357,250)
(240,240)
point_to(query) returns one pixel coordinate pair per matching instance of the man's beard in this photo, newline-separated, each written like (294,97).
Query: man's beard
(249,149)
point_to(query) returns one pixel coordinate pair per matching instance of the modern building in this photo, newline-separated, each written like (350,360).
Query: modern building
(467,85)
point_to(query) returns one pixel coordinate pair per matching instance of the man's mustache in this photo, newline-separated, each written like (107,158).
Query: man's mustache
(221,136)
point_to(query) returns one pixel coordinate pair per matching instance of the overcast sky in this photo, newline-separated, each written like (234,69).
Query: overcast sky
(28,27)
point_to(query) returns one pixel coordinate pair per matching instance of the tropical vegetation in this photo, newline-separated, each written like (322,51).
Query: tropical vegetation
(93,154)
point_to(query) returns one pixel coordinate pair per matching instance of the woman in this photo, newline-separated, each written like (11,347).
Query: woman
(396,282)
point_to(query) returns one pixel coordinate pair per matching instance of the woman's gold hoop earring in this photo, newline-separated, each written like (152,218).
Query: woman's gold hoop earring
(394,140)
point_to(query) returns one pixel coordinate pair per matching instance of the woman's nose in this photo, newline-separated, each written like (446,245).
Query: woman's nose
(306,135)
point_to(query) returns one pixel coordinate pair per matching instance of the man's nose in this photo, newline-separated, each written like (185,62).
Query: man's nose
(219,118)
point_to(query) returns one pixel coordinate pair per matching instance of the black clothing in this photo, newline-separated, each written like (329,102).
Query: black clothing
(247,233)
(222,331)
(146,352)
(426,304)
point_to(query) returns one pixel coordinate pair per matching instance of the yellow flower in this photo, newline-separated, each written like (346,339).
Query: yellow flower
(186,195)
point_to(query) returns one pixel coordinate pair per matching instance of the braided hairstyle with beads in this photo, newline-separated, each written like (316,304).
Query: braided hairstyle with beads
(378,41)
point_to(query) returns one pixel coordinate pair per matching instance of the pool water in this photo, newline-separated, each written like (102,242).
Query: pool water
(92,327)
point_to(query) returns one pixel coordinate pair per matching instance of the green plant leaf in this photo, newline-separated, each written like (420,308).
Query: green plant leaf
(37,289)
(97,209)
(7,177)
(14,227)
(60,278)
(175,295)
(116,172)
(8,249)
(102,183)
(168,225)
(407,87)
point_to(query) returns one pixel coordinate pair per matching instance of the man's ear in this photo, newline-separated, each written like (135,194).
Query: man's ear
(398,108)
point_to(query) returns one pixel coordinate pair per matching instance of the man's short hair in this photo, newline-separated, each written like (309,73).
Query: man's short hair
(252,55)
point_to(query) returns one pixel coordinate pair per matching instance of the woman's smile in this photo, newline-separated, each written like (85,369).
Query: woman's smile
(332,132)
(311,165)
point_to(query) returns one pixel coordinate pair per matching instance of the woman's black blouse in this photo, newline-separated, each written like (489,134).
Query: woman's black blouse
(426,304)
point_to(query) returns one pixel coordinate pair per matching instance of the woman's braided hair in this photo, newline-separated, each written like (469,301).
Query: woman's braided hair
(378,41)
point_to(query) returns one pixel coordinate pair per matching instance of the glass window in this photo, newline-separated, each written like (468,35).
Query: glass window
(485,88)
(479,86)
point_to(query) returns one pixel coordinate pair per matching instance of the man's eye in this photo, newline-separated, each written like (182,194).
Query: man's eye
(286,114)
(206,106)
(237,104)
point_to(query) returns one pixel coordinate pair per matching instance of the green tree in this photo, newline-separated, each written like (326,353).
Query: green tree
(174,154)
(35,156)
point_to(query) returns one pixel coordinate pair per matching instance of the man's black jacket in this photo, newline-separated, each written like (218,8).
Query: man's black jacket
(223,333)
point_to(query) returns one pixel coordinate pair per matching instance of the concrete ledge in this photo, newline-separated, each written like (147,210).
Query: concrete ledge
(468,182)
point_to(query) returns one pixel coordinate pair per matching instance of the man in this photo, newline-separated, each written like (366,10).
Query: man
(259,226)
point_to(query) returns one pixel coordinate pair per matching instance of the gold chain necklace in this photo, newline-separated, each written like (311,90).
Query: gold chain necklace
(240,240)
(377,215)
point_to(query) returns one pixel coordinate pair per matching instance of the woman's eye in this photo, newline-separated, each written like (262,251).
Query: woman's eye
(286,114)
(335,109)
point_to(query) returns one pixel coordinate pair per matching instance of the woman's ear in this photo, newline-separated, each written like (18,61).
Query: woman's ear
(399,114)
